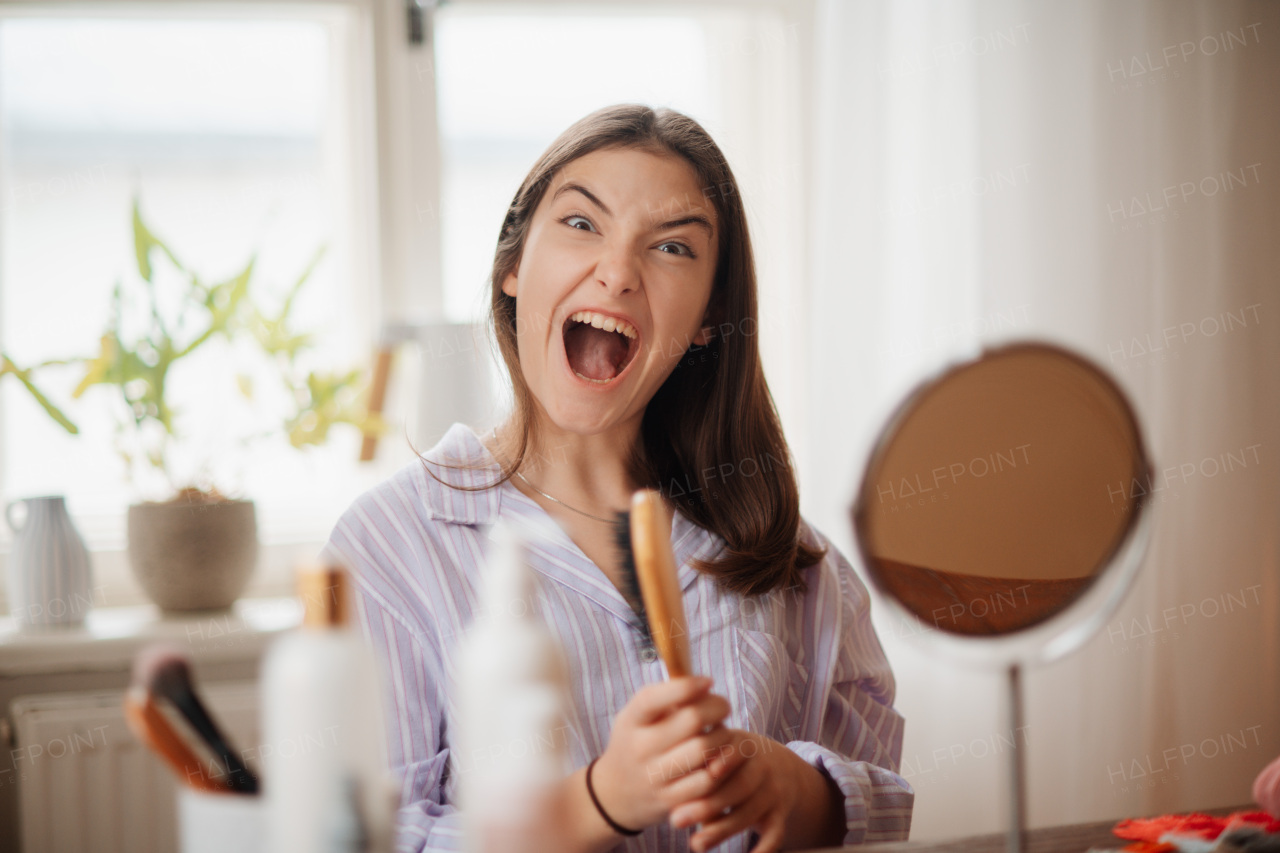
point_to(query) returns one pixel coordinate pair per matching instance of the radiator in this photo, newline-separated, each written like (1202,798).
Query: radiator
(86,784)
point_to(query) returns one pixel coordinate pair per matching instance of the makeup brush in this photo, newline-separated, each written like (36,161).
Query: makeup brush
(151,727)
(650,584)
(163,673)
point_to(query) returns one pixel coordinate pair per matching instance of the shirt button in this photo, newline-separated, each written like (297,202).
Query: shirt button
(648,654)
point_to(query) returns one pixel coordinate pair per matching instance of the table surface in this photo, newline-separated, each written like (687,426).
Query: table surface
(1075,838)
(1071,838)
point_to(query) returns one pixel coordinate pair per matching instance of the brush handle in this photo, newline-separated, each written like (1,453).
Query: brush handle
(150,727)
(659,583)
(174,685)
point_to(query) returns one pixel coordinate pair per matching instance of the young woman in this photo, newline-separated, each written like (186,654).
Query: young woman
(624,306)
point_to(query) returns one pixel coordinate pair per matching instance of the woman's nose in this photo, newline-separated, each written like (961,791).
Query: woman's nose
(618,268)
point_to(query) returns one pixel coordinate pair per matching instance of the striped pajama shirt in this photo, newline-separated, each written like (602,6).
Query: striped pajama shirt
(805,670)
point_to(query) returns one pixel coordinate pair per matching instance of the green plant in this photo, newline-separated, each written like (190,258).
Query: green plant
(24,375)
(156,324)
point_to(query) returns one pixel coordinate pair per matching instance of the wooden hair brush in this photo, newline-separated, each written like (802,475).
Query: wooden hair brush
(649,574)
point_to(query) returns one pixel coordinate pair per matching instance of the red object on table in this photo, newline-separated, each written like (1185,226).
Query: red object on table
(1199,825)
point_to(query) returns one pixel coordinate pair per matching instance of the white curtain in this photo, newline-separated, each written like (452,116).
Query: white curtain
(1106,176)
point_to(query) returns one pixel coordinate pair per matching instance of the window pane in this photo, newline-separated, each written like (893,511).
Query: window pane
(508,85)
(224,130)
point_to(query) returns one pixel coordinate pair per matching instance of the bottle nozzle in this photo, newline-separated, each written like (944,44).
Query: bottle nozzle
(325,594)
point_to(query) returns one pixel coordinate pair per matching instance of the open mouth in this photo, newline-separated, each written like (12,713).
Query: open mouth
(599,348)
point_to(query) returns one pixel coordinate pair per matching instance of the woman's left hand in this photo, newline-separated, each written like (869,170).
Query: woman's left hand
(760,793)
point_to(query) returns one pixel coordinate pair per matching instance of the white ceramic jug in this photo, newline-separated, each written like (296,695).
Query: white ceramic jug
(50,578)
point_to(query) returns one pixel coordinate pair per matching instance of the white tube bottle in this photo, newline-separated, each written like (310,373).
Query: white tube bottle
(510,688)
(323,752)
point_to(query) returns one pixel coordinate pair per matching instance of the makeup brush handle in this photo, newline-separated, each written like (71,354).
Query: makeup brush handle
(150,727)
(241,778)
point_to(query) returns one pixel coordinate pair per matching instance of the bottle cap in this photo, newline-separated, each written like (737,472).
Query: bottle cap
(326,595)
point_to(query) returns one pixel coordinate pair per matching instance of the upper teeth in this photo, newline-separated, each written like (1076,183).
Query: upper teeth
(609,324)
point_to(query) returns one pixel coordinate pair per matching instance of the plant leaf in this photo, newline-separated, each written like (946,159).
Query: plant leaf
(98,369)
(144,241)
(297,285)
(54,411)
(24,376)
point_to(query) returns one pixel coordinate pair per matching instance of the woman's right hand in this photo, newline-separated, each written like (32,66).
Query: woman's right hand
(667,747)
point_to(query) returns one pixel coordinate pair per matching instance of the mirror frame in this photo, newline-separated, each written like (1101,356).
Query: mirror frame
(1072,626)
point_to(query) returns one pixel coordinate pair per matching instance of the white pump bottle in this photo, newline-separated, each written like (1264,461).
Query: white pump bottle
(510,692)
(325,781)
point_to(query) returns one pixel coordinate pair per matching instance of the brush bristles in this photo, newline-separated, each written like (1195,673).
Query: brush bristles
(158,661)
(630,588)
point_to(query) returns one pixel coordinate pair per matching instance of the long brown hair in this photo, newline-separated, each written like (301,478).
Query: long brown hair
(711,440)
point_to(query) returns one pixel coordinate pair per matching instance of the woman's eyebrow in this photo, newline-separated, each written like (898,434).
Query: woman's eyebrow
(564,188)
(692,219)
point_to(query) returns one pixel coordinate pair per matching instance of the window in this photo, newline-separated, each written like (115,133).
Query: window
(232,134)
(275,129)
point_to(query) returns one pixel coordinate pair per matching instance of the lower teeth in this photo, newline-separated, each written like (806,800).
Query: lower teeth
(596,381)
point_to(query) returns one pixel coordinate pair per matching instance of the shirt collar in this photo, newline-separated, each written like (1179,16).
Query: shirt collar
(460,446)
(472,467)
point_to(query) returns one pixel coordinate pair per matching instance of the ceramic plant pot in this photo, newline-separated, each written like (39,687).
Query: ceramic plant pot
(193,555)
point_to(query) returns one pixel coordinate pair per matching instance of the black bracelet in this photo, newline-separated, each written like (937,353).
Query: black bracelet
(592,791)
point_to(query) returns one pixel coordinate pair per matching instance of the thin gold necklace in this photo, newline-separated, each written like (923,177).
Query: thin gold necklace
(550,498)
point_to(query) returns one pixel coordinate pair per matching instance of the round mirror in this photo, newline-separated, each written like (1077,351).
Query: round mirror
(1001,490)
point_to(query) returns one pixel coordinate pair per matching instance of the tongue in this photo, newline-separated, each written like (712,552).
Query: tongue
(594,353)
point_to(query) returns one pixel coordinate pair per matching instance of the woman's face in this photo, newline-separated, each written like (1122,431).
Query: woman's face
(628,237)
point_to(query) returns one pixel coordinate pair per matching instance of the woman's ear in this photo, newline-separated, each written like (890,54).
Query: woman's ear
(509,283)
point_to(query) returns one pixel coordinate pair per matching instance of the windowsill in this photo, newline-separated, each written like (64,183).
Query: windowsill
(111,636)
(115,587)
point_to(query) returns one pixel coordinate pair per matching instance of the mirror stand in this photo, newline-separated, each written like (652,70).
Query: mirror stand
(1017,761)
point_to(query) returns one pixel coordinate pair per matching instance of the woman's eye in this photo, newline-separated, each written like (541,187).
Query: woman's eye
(570,220)
(670,247)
